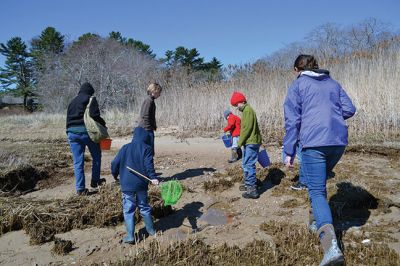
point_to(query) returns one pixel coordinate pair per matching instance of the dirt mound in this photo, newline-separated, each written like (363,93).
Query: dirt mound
(375,150)
(26,165)
(22,178)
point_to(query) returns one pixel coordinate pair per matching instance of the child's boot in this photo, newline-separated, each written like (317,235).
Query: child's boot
(239,153)
(148,222)
(251,193)
(130,230)
(332,254)
(233,156)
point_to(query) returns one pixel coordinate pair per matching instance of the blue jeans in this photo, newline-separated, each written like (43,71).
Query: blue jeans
(250,156)
(78,143)
(316,162)
(235,142)
(130,200)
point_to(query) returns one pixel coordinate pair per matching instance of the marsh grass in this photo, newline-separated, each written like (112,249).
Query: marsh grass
(43,219)
(370,82)
(291,244)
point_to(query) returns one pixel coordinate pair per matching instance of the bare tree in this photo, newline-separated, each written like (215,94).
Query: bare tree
(118,73)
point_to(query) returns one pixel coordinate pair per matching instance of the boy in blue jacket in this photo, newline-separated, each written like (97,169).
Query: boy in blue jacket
(137,155)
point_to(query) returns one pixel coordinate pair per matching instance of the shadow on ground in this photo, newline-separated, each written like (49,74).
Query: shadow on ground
(189,173)
(273,178)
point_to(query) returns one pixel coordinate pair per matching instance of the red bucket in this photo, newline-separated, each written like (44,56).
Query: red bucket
(105,144)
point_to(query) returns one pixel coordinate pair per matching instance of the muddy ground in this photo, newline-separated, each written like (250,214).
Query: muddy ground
(364,196)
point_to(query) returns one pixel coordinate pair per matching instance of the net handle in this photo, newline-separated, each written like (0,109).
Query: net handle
(136,172)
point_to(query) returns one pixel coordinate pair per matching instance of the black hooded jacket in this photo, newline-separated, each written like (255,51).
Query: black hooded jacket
(77,106)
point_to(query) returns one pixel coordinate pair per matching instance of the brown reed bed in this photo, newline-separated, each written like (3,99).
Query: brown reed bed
(291,244)
(43,219)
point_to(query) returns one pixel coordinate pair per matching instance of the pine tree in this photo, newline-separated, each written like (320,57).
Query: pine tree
(138,45)
(49,41)
(16,76)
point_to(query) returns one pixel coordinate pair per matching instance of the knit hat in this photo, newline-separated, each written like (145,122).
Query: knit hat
(237,97)
(226,113)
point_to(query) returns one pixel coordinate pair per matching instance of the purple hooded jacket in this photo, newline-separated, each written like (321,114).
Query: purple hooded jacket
(316,108)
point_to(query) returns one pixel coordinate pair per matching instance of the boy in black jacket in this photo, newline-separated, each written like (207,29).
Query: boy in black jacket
(78,137)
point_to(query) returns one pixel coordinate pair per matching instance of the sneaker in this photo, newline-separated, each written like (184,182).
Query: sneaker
(251,193)
(259,185)
(100,182)
(298,186)
(128,240)
(83,192)
(242,187)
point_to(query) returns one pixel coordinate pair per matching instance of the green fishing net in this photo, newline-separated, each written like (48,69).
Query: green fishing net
(171,192)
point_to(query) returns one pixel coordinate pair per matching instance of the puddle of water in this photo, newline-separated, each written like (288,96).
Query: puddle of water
(216,217)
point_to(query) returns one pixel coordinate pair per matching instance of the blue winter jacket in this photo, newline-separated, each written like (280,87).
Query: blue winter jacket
(138,155)
(316,107)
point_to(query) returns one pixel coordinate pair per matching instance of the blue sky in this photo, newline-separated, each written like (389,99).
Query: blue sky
(233,31)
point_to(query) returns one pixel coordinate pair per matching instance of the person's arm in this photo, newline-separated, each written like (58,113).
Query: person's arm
(149,165)
(292,111)
(94,112)
(145,113)
(115,165)
(231,124)
(245,127)
(348,109)
(153,115)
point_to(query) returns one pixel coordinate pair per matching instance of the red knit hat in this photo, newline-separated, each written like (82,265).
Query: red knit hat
(237,97)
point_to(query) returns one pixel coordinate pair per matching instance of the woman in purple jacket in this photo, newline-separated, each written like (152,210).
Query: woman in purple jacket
(316,107)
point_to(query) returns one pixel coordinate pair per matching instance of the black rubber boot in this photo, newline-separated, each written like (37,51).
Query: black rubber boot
(239,153)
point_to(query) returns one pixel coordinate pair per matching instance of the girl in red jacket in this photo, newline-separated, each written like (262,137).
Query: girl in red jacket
(233,128)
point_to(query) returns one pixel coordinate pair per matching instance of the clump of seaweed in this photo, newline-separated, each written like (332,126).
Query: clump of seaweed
(61,247)
(224,181)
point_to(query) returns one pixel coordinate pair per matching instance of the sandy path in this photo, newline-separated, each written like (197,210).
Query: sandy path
(193,161)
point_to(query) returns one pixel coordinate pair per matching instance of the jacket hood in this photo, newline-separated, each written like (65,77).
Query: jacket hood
(140,135)
(87,89)
(318,74)
(226,113)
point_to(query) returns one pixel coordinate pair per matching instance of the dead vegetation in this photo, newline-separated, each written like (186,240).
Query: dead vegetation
(226,180)
(26,165)
(291,244)
(61,247)
(42,220)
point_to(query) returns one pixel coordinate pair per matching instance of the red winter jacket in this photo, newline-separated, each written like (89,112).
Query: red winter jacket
(233,125)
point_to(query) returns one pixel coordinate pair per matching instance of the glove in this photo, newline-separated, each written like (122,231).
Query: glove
(155,182)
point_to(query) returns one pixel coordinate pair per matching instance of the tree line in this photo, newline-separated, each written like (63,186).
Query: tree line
(25,67)
(120,67)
